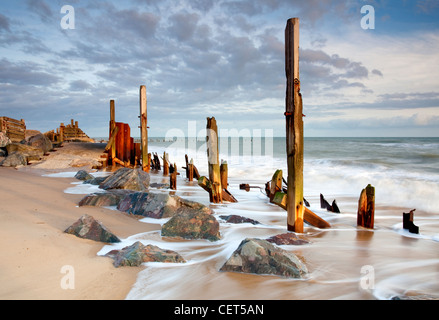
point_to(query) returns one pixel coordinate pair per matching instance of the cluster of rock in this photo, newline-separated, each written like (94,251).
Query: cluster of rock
(32,148)
(128,189)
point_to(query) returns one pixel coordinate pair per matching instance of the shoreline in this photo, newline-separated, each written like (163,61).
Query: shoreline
(35,212)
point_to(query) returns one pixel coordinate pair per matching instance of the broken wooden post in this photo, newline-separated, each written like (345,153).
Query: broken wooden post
(276,184)
(61,132)
(112,151)
(213,159)
(294,128)
(366,208)
(224,174)
(407,222)
(144,129)
(173,178)
(165,164)
(191,170)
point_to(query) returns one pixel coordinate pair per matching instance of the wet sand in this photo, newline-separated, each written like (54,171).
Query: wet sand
(34,212)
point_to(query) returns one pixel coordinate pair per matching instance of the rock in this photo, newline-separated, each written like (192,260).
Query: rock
(261,257)
(415,297)
(89,228)
(126,178)
(4,140)
(137,253)
(95,181)
(192,225)
(40,141)
(104,199)
(14,159)
(83,175)
(238,219)
(31,153)
(287,239)
(158,205)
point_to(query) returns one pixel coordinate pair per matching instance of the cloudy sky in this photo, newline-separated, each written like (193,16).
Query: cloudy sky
(222,58)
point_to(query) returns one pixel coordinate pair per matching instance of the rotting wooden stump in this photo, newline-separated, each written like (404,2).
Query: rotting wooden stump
(407,222)
(366,208)
(173,178)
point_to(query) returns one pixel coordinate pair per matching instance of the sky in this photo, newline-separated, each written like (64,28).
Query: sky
(372,74)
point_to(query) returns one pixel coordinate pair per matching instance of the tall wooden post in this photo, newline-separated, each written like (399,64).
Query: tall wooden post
(112,151)
(213,159)
(294,126)
(144,130)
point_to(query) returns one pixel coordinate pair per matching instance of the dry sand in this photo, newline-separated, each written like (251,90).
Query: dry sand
(34,212)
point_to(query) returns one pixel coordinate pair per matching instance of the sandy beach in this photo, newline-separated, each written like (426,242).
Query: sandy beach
(34,213)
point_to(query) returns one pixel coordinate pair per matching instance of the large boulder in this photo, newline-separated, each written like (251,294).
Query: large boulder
(108,198)
(89,228)
(158,205)
(192,225)
(4,140)
(126,178)
(40,141)
(261,257)
(137,253)
(14,159)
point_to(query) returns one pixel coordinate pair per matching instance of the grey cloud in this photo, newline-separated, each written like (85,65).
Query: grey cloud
(41,8)
(80,85)
(25,73)
(183,25)
(4,23)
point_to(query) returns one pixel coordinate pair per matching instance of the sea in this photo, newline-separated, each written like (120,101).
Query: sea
(345,262)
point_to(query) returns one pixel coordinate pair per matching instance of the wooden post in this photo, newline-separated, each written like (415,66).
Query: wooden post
(191,170)
(144,129)
(165,164)
(213,159)
(173,178)
(294,128)
(112,151)
(61,132)
(224,171)
(366,208)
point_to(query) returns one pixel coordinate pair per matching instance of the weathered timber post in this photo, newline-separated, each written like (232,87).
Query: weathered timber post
(224,172)
(173,178)
(213,159)
(294,128)
(165,164)
(112,151)
(407,222)
(191,170)
(61,132)
(144,129)
(366,208)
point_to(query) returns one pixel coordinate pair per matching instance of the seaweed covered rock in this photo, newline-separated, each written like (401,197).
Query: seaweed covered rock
(137,253)
(83,175)
(261,257)
(89,228)
(104,199)
(287,239)
(238,219)
(158,205)
(192,225)
(126,178)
